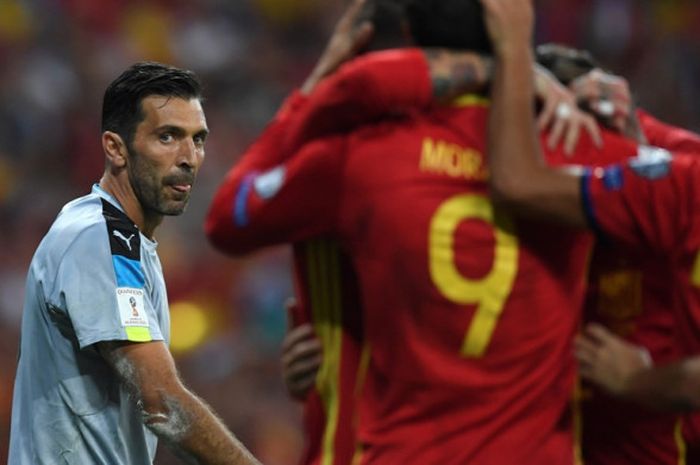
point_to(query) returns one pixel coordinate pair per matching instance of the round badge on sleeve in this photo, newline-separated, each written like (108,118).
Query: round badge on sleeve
(268,184)
(651,162)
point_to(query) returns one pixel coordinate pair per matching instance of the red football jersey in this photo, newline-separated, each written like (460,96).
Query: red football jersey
(677,140)
(684,303)
(651,204)
(654,206)
(633,295)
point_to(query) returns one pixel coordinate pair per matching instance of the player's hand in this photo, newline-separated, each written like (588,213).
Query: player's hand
(509,23)
(609,361)
(560,113)
(301,354)
(301,360)
(347,39)
(606,95)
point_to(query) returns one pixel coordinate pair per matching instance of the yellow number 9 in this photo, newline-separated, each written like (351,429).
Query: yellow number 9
(489,293)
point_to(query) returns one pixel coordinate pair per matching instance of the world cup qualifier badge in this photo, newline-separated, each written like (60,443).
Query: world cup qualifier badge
(651,163)
(131,307)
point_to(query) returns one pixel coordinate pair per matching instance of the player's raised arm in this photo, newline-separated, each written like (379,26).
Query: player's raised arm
(169,409)
(519,176)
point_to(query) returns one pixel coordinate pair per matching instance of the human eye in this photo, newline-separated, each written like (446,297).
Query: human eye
(166,137)
(200,139)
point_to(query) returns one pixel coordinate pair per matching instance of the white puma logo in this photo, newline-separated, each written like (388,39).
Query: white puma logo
(119,235)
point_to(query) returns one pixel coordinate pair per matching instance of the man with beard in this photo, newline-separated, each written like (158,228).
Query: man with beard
(96,383)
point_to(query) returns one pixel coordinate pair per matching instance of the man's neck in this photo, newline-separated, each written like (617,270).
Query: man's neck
(125,195)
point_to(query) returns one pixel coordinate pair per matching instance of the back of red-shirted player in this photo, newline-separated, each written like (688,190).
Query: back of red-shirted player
(469,314)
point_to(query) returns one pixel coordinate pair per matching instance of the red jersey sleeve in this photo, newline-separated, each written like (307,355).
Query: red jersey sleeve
(361,91)
(651,202)
(294,200)
(668,137)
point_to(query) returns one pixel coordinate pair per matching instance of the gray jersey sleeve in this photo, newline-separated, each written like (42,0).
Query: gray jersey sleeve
(103,293)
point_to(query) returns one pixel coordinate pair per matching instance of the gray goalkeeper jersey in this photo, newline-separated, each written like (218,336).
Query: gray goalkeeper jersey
(93,278)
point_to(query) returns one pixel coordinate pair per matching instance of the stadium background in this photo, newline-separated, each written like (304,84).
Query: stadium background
(57,56)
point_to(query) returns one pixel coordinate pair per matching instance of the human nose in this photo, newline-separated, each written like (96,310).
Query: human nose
(191,155)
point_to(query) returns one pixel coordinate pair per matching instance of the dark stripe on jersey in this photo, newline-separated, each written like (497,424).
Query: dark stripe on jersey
(125,245)
(124,238)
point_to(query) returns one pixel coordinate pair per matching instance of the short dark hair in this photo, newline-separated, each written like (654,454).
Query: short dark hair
(457,24)
(121,106)
(564,62)
(388,18)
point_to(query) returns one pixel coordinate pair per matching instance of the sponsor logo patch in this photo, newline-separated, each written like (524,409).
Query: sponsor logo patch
(131,307)
(127,240)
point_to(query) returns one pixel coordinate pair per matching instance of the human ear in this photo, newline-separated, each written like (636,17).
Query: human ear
(115,149)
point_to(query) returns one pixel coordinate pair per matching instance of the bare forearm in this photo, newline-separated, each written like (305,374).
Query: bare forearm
(194,432)
(170,410)
(674,387)
(519,177)
(511,123)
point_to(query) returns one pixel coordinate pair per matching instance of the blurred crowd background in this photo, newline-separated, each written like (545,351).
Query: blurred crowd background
(56,58)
